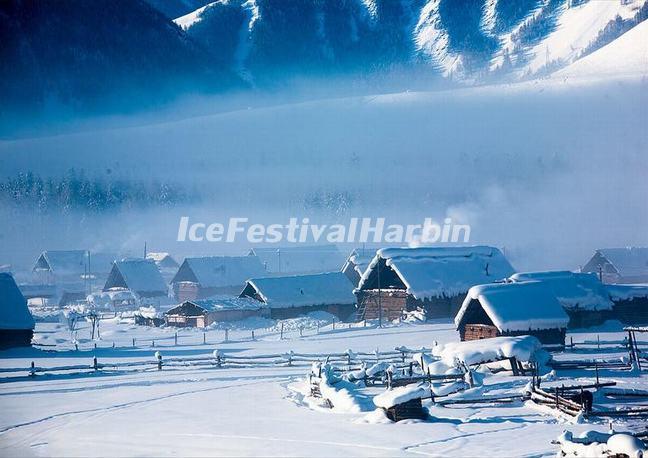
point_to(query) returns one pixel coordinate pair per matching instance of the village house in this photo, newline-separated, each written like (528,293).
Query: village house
(201,313)
(630,303)
(166,264)
(200,278)
(433,279)
(16,322)
(512,309)
(73,274)
(299,259)
(292,296)
(585,299)
(619,265)
(356,264)
(138,276)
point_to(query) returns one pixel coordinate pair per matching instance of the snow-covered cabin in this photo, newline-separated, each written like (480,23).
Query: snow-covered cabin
(163,260)
(512,309)
(291,296)
(16,322)
(630,303)
(139,276)
(435,279)
(619,265)
(200,278)
(356,264)
(582,295)
(201,313)
(299,259)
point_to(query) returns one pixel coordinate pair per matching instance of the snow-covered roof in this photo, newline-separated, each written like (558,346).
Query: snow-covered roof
(573,290)
(359,258)
(162,259)
(627,292)
(219,271)
(472,352)
(629,262)
(332,288)
(14,313)
(300,259)
(399,395)
(517,306)
(74,262)
(441,271)
(221,303)
(141,276)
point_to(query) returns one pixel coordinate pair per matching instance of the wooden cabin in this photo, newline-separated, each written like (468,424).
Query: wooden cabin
(165,263)
(356,264)
(203,312)
(619,265)
(433,279)
(512,309)
(299,259)
(292,296)
(630,303)
(200,278)
(139,276)
(16,322)
(585,299)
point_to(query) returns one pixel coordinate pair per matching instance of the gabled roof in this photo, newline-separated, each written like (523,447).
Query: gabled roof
(516,306)
(573,290)
(219,271)
(300,259)
(440,271)
(332,288)
(221,303)
(141,276)
(163,260)
(359,259)
(629,262)
(74,262)
(62,262)
(14,313)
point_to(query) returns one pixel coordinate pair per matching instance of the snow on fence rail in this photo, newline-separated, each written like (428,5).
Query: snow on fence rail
(348,359)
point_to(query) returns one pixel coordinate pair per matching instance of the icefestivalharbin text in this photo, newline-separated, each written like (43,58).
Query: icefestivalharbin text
(301,230)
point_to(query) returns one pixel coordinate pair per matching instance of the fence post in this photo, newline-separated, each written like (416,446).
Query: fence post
(217,355)
(301,331)
(334,325)
(113,345)
(226,335)
(252,334)
(133,342)
(76,346)
(158,355)
(175,339)
(204,338)
(32,370)
(318,326)
(94,363)
(95,345)
(153,343)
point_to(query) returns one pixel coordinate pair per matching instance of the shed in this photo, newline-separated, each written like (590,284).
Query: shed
(200,278)
(434,279)
(630,303)
(16,322)
(140,276)
(356,264)
(619,265)
(512,309)
(299,259)
(403,403)
(203,312)
(291,296)
(582,295)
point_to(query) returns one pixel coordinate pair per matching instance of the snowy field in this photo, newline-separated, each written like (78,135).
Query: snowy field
(205,410)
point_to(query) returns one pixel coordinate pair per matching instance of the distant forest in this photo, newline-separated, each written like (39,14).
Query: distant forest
(77,192)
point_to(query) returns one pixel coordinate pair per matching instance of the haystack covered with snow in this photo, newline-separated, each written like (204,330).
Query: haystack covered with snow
(140,276)
(16,322)
(433,278)
(299,259)
(199,278)
(512,309)
(290,296)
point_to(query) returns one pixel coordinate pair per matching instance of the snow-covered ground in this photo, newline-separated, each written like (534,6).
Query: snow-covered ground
(206,410)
